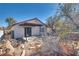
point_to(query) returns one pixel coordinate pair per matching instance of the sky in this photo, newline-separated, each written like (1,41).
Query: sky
(25,11)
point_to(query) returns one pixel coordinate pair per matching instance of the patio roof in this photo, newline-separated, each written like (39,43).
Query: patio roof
(30,24)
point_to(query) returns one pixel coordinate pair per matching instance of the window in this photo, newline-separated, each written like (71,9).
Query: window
(42,29)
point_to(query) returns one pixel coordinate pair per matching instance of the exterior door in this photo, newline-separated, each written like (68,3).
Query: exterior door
(27,31)
(12,34)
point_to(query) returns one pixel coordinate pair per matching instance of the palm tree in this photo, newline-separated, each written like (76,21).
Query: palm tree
(10,21)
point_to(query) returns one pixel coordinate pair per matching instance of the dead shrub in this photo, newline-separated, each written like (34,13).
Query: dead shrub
(33,47)
(6,48)
(66,49)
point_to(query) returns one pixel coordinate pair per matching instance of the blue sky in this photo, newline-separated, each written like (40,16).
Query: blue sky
(21,12)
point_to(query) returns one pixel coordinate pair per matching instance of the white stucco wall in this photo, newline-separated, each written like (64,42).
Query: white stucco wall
(1,33)
(35,30)
(18,31)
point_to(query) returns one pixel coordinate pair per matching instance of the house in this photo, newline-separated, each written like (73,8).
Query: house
(31,27)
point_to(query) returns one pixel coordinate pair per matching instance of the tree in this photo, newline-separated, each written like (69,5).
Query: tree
(69,11)
(10,21)
(65,20)
(58,26)
(62,28)
(50,23)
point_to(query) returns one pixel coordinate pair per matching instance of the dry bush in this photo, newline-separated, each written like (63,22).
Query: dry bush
(50,45)
(9,46)
(6,48)
(13,42)
(66,49)
(75,44)
(18,50)
(76,47)
(46,47)
(42,46)
(33,47)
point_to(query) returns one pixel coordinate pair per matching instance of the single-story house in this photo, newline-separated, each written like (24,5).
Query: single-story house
(31,27)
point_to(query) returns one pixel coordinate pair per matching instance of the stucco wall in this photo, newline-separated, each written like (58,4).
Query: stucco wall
(35,30)
(18,31)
